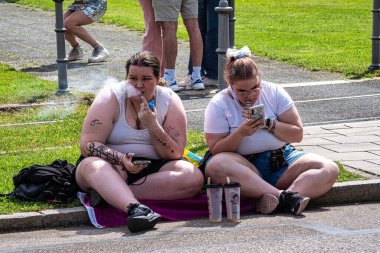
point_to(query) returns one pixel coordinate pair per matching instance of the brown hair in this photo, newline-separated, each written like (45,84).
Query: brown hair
(241,69)
(144,59)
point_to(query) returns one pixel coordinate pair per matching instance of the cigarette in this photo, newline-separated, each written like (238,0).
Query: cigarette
(228,180)
(208,180)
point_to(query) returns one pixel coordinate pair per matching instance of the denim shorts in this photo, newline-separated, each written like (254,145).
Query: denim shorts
(263,163)
(93,9)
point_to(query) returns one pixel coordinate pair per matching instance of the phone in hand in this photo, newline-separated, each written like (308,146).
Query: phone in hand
(256,112)
(142,162)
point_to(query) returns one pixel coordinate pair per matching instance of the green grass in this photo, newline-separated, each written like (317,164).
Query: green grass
(331,35)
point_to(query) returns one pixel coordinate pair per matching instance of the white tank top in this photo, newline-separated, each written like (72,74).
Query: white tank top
(126,139)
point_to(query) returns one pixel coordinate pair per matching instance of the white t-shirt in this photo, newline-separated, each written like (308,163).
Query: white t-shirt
(126,139)
(224,115)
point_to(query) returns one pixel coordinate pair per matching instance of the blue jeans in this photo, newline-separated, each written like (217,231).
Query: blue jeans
(208,25)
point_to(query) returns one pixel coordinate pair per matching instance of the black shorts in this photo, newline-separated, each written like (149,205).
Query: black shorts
(154,167)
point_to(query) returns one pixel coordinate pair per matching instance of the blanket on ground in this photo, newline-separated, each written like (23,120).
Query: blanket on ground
(172,210)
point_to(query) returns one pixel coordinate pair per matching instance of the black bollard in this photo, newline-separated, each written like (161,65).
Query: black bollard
(223,11)
(375,36)
(61,51)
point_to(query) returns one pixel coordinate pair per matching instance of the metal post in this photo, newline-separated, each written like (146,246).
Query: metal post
(232,24)
(223,11)
(61,51)
(375,36)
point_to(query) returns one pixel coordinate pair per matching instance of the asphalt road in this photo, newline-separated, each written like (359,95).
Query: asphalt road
(317,104)
(353,228)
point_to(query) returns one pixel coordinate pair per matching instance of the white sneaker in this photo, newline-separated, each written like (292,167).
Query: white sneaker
(209,82)
(173,85)
(76,53)
(185,82)
(198,85)
(98,55)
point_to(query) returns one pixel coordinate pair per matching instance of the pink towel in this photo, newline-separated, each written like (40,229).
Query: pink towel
(172,210)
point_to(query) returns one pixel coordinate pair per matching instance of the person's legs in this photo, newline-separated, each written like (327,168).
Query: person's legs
(239,169)
(175,180)
(311,175)
(109,181)
(95,173)
(170,50)
(210,57)
(196,51)
(73,24)
(152,40)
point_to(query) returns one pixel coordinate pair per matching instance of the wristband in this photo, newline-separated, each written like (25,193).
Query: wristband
(270,125)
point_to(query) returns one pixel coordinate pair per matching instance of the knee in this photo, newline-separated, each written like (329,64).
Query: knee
(69,25)
(332,171)
(215,168)
(192,180)
(89,166)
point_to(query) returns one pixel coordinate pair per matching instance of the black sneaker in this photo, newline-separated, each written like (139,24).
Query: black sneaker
(293,202)
(141,217)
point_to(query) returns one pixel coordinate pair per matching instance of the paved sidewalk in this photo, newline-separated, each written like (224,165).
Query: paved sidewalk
(355,145)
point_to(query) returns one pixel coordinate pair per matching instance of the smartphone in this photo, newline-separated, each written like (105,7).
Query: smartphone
(142,162)
(256,111)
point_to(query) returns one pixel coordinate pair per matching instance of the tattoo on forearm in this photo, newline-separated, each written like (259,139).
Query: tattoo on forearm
(104,152)
(173,132)
(162,139)
(95,122)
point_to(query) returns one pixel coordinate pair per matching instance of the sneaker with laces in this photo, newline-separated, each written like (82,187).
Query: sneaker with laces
(185,82)
(76,53)
(99,54)
(173,85)
(267,204)
(197,85)
(141,217)
(208,82)
(293,202)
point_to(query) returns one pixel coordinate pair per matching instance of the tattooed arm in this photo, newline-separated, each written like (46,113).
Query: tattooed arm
(170,139)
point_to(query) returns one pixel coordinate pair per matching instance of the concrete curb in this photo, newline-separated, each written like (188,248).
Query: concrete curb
(341,193)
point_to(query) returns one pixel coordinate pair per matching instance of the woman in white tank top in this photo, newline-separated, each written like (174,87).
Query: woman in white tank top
(136,121)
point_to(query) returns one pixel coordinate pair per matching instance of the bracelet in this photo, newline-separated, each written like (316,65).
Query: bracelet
(269,125)
(272,128)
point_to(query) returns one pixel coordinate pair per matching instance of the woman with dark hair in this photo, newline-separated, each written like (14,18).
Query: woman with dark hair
(132,142)
(254,150)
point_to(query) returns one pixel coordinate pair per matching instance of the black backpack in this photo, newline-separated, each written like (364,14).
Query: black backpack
(47,183)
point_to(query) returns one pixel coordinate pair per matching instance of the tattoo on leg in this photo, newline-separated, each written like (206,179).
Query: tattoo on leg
(104,152)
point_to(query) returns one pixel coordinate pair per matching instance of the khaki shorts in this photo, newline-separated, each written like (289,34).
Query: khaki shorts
(168,10)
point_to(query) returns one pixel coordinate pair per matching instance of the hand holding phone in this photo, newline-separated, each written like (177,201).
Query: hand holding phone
(256,112)
(142,162)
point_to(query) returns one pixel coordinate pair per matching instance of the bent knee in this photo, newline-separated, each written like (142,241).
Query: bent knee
(215,167)
(332,171)
(191,180)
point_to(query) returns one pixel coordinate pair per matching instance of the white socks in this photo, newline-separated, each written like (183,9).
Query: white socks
(196,73)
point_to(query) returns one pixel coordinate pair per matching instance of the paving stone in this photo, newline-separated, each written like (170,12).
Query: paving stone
(353,139)
(375,123)
(366,166)
(316,141)
(359,131)
(335,126)
(351,156)
(376,152)
(352,147)
(316,130)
